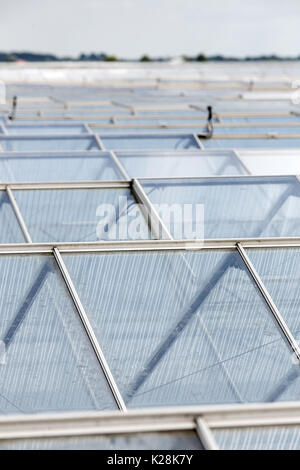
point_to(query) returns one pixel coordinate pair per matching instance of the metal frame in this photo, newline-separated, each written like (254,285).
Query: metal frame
(157,226)
(119,165)
(203,420)
(151,245)
(18,215)
(205,435)
(117,184)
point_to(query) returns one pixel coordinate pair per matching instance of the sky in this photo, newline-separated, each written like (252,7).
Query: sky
(130,28)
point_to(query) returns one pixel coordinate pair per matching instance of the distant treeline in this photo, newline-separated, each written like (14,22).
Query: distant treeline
(102,57)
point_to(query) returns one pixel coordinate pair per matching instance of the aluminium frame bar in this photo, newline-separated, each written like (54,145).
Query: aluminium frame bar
(230,416)
(157,226)
(264,136)
(205,435)
(116,184)
(121,184)
(83,135)
(241,162)
(18,215)
(4,130)
(199,142)
(118,163)
(89,330)
(164,124)
(125,113)
(99,142)
(150,245)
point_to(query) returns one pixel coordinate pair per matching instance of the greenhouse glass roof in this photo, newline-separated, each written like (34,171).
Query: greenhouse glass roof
(149,272)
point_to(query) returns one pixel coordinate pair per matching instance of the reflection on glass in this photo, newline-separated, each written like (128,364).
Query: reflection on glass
(149,142)
(279,270)
(77,167)
(259,438)
(233,207)
(10,230)
(250,143)
(183,328)
(171,440)
(182,164)
(36,144)
(46,360)
(22,129)
(68,215)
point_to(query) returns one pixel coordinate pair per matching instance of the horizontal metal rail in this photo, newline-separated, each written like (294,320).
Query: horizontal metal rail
(151,245)
(118,184)
(149,420)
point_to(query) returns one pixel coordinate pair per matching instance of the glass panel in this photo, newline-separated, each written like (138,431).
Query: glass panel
(46,167)
(193,129)
(182,328)
(259,438)
(193,121)
(149,142)
(69,215)
(242,207)
(45,129)
(172,440)
(78,113)
(257,130)
(182,164)
(269,162)
(46,361)
(10,230)
(251,143)
(261,119)
(255,106)
(280,272)
(174,112)
(28,144)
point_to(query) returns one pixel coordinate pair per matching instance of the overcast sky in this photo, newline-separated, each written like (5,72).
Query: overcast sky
(129,28)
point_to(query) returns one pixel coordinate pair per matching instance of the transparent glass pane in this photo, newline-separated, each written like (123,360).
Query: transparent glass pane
(193,129)
(149,142)
(21,129)
(250,143)
(280,272)
(172,440)
(257,130)
(28,144)
(182,328)
(272,163)
(262,119)
(259,438)
(174,112)
(193,121)
(233,207)
(58,167)
(10,230)
(149,165)
(46,360)
(81,215)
